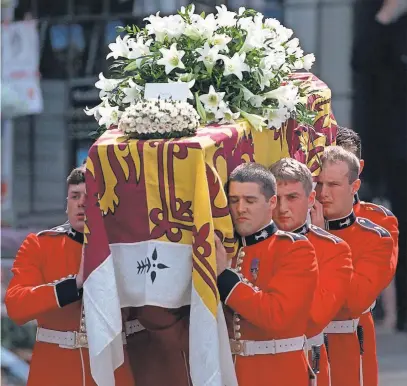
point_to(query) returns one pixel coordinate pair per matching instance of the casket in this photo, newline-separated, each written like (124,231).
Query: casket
(153,208)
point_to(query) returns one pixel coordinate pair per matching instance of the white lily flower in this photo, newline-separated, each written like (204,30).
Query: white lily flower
(287,96)
(283,34)
(171,58)
(276,117)
(247,94)
(245,23)
(274,60)
(120,48)
(225,114)
(256,100)
(175,26)
(156,27)
(110,115)
(212,99)
(133,92)
(201,28)
(95,110)
(308,61)
(272,23)
(235,65)
(172,26)
(106,85)
(220,41)
(224,17)
(255,120)
(139,48)
(241,11)
(209,56)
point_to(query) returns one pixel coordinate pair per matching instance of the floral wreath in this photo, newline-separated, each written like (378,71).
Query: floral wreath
(236,65)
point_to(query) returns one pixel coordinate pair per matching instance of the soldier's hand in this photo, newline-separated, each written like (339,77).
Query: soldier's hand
(79,276)
(221,256)
(317,215)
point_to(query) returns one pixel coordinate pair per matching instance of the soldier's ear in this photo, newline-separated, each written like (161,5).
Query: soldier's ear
(362,165)
(311,199)
(355,186)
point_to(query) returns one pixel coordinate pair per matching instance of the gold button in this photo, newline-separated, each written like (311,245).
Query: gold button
(237,319)
(237,327)
(238,335)
(238,269)
(83,328)
(242,253)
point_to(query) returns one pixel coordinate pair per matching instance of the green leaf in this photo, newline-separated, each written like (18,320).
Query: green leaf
(131,66)
(200,108)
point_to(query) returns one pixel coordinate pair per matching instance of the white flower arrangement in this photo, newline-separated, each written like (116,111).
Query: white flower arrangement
(159,118)
(235,65)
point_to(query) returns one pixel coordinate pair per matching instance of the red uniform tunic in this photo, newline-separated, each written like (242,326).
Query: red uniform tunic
(386,219)
(269,294)
(335,272)
(372,248)
(37,292)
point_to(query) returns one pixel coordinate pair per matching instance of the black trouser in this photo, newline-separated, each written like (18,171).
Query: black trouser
(379,65)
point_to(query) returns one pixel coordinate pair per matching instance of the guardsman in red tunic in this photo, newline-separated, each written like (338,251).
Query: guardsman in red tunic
(269,289)
(372,248)
(295,197)
(378,214)
(46,287)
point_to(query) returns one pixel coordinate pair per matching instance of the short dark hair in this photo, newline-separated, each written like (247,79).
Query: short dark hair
(334,154)
(349,140)
(254,172)
(291,170)
(76,176)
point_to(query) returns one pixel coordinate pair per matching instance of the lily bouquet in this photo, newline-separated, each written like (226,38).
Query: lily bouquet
(236,64)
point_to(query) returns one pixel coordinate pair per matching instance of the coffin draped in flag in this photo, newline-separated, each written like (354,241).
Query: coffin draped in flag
(153,208)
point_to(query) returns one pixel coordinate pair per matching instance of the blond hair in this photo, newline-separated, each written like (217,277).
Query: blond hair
(289,169)
(335,154)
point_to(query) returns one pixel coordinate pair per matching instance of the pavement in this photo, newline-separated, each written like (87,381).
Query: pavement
(392,356)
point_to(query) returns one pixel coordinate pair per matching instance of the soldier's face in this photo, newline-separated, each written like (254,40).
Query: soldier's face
(250,209)
(76,206)
(292,205)
(334,191)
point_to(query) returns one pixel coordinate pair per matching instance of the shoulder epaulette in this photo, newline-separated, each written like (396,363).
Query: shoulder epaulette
(378,208)
(323,233)
(56,231)
(293,236)
(369,225)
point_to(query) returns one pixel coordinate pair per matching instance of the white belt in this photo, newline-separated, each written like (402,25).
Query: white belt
(342,326)
(346,326)
(133,326)
(65,339)
(317,340)
(275,346)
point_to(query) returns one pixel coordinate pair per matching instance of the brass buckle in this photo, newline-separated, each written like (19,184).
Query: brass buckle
(81,339)
(238,347)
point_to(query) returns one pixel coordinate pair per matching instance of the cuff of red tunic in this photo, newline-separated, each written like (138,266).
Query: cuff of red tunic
(67,292)
(227,281)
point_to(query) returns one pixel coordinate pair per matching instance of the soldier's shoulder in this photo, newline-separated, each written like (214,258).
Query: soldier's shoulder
(377,209)
(290,235)
(369,225)
(59,230)
(323,234)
